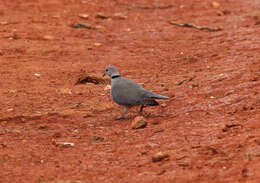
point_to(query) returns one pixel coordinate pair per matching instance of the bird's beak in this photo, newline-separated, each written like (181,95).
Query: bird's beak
(104,74)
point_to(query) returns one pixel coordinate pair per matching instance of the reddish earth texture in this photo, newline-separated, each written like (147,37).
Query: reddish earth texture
(208,132)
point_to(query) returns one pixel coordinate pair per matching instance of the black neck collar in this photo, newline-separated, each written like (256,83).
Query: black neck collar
(115,76)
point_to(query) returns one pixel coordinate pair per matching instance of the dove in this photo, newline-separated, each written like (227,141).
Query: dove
(127,93)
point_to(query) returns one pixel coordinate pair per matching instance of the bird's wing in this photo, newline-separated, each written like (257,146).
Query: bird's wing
(126,92)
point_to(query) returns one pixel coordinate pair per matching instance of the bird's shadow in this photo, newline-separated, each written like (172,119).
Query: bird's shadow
(111,120)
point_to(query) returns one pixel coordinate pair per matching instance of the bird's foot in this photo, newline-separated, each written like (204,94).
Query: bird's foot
(120,117)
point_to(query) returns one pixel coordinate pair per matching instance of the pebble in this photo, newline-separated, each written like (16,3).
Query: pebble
(107,87)
(139,122)
(193,86)
(163,105)
(37,75)
(65,144)
(119,16)
(48,37)
(101,16)
(160,156)
(100,27)
(215,4)
(3,23)
(97,44)
(82,15)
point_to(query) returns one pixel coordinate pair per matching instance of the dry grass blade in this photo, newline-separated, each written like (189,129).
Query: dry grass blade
(195,26)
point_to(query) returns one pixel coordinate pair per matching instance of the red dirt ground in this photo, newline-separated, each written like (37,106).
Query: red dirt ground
(210,129)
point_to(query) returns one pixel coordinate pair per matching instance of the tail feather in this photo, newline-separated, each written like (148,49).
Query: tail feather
(153,95)
(160,97)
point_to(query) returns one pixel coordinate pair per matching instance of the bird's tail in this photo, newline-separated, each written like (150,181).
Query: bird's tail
(157,96)
(153,95)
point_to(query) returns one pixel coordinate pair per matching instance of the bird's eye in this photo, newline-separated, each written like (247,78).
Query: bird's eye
(106,70)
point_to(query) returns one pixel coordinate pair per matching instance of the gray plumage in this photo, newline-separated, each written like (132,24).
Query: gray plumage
(128,93)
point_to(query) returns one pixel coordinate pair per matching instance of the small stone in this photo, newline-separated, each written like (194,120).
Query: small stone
(163,105)
(12,91)
(107,87)
(193,85)
(65,91)
(119,16)
(65,144)
(3,23)
(215,4)
(3,123)
(48,37)
(82,15)
(101,16)
(97,44)
(160,156)
(99,27)
(37,75)
(139,122)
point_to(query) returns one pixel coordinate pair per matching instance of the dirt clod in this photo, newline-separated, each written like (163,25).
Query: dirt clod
(92,78)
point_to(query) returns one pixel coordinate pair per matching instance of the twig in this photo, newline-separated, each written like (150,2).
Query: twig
(195,26)
(227,127)
(80,25)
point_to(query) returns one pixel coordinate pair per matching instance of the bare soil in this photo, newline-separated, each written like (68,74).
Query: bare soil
(210,130)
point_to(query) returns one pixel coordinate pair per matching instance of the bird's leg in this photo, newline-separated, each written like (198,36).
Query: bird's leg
(124,113)
(141,109)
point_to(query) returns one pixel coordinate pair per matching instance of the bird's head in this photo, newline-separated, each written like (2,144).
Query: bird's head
(111,71)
